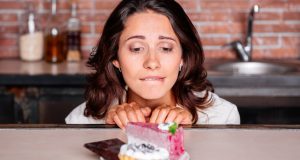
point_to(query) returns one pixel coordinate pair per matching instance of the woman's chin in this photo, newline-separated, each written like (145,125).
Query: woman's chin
(152,96)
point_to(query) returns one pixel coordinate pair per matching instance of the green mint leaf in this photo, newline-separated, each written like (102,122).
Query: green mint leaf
(173,128)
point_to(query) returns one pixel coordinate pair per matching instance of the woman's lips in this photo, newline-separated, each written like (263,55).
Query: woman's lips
(152,78)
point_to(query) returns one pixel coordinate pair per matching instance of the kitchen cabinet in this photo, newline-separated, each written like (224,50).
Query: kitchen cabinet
(40,92)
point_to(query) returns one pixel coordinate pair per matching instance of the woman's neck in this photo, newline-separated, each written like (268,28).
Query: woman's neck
(168,99)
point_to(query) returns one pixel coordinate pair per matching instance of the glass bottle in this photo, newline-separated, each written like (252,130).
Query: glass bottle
(73,36)
(54,37)
(31,39)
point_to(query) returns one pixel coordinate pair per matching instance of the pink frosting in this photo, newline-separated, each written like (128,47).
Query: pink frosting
(152,134)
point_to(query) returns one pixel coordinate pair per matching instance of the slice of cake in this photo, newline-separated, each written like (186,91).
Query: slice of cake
(161,136)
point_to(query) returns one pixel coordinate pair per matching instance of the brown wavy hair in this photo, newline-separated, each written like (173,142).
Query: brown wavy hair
(106,84)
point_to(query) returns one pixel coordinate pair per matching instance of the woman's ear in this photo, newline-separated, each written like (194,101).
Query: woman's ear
(116,63)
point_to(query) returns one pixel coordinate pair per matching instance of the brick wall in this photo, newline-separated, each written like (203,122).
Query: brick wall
(276,28)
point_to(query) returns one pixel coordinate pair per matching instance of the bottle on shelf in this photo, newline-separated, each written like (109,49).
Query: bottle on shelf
(73,36)
(31,38)
(54,37)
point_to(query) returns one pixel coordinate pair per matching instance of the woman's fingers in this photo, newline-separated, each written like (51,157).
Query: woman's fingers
(162,115)
(187,118)
(167,113)
(118,121)
(131,113)
(112,118)
(138,113)
(125,113)
(183,117)
(179,118)
(109,119)
(172,115)
(122,115)
(159,114)
(154,115)
(146,111)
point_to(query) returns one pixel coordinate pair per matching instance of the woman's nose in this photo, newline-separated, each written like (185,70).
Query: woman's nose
(151,61)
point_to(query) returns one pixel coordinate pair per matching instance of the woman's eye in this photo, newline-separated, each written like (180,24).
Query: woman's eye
(137,49)
(166,49)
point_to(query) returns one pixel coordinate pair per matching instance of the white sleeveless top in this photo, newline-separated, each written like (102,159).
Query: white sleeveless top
(220,112)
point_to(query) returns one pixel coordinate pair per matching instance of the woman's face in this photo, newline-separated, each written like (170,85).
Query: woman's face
(149,55)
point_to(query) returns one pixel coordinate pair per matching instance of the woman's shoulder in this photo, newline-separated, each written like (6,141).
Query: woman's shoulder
(76,116)
(220,111)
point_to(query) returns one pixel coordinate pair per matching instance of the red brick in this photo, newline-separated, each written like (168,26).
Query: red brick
(99,28)
(218,16)
(224,5)
(238,16)
(37,4)
(62,19)
(271,4)
(226,27)
(276,28)
(13,4)
(8,42)
(293,5)
(86,28)
(237,28)
(291,41)
(259,28)
(212,16)
(188,4)
(290,28)
(291,15)
(214,41)
(268,16)
(91,17)
(106,4)
(86,17)
(85,4)
(8,17)
(9,29)
(101,17)
(214,29)
(276,53)
(61,5)
(44,20)
(220,53)
(265,41)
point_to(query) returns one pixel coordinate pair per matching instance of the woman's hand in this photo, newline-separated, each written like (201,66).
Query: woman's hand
(124,113)
(166,113)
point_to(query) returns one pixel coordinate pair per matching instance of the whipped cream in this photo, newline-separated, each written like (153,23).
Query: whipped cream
(165,126)
(144,151)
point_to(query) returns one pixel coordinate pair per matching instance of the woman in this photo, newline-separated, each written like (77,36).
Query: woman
(149,68)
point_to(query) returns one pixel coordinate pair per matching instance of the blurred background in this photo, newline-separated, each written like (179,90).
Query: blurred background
(40,85)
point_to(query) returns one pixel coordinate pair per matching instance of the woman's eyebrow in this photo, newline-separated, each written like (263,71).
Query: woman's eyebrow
(136,36)
(143,37)
(165,37)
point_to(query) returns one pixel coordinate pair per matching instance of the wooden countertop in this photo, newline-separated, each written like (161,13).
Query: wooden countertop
(16,72)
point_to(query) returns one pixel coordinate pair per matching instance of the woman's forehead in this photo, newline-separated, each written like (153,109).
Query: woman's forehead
(147,24)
